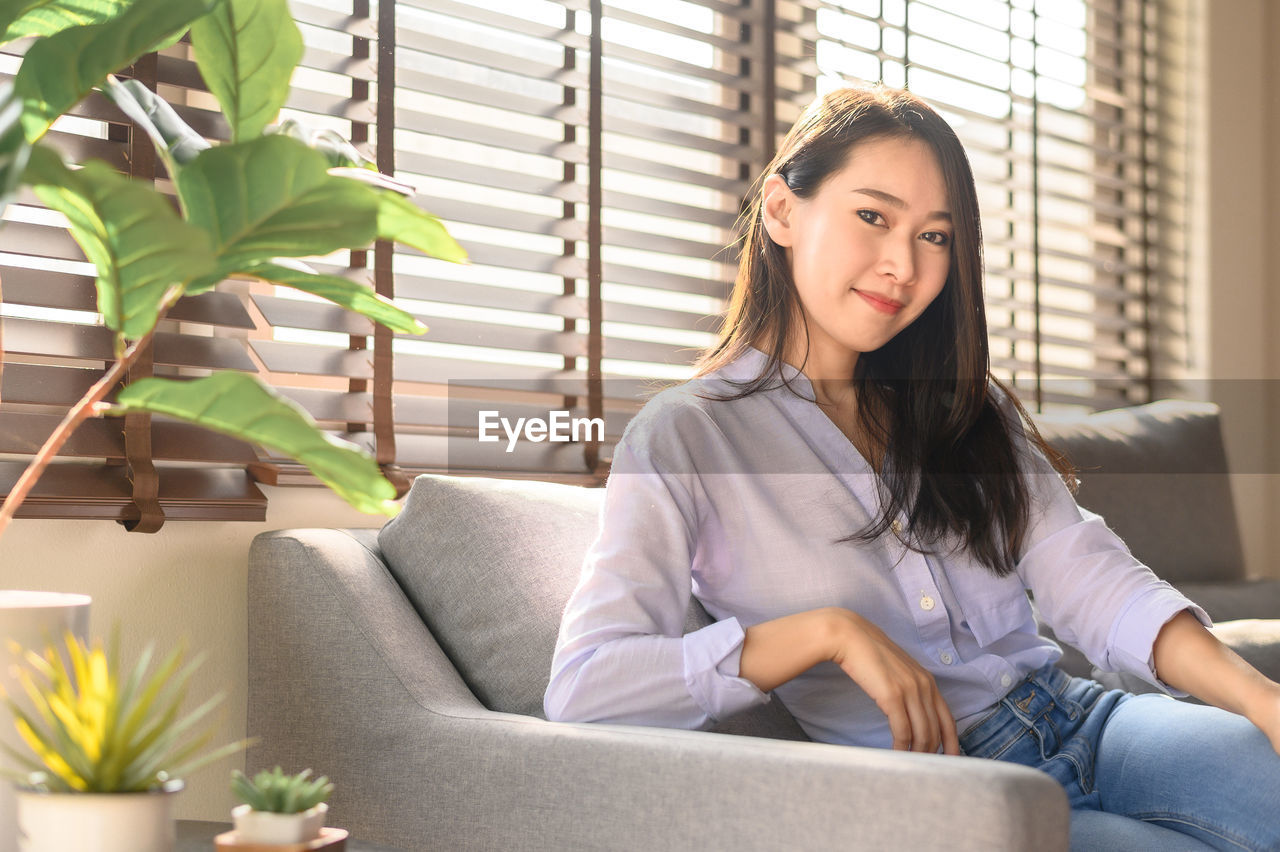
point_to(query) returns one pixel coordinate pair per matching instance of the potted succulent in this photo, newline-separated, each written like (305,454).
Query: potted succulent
(279,808)
(108,749)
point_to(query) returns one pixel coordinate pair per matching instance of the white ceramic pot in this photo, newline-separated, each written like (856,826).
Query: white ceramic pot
(97,822)
(33,620)
(267,828)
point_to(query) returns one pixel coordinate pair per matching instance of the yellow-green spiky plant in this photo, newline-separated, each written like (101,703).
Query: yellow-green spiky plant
(90,732)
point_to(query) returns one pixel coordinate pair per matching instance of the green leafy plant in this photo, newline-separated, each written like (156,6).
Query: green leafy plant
(275,792)
(91,732)
(247,208)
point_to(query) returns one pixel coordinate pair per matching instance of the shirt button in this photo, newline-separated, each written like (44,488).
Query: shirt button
(946,658)
(926,603)
(1005,680)
(896,526)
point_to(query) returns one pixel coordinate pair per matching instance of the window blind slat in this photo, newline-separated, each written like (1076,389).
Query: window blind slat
(489,176)
(333,19)
(66,291)
(524,27)
(494,137)
(83,492)
(24,433)
(727,46)
(486,296)
(86,342)
(614,123)
(621,274)
(658,207)
(522,65)
(510,100)
(667,171)
(623,91)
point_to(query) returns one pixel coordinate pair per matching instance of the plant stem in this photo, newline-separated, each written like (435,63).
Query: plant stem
(82,411)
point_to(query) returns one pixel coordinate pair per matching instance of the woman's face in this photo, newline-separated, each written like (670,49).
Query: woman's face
(868,251)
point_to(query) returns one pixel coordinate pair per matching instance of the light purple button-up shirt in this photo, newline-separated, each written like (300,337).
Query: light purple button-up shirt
(742,503)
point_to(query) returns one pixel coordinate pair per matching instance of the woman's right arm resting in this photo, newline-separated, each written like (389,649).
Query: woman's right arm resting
(622,655)
(776,651)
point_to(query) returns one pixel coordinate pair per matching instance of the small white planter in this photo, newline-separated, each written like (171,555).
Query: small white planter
(267,828)
(97,822)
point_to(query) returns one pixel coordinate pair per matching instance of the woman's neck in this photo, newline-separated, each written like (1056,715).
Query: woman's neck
(830,373)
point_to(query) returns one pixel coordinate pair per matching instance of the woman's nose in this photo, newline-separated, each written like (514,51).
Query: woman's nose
(897,259)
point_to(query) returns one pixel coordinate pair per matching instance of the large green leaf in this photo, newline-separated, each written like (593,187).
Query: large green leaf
(173,137)
(11,11)
(238,404)
(246,51)
(272,197)
(60,70)
(351,295)
(14,147)
(48,17)
(401,220)
(129,232)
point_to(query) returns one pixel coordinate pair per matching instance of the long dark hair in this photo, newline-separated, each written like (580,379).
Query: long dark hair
(925,398)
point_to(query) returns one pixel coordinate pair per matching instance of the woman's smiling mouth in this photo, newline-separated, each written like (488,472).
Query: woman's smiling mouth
(880,303)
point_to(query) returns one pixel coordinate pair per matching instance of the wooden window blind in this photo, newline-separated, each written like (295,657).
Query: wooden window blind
(592,157)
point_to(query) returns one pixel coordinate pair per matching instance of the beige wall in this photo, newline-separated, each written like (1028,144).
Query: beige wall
(187,582)
(1270,283)
(1235,297)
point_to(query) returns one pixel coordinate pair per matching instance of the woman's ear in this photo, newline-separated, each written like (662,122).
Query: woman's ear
(777,204)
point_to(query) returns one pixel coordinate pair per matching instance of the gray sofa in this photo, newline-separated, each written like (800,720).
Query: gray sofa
(409,666)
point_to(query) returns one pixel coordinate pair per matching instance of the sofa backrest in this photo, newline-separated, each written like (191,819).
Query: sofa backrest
(1157,473)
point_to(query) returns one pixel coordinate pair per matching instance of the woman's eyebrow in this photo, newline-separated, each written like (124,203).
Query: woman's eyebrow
(897,202)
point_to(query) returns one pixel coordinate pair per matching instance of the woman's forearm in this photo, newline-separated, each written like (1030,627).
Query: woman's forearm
(776,651)
(1190,658)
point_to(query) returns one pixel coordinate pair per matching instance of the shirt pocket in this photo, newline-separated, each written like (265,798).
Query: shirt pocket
(994,607)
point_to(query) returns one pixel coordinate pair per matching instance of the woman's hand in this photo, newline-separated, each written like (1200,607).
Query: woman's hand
(776,651)
(919,718)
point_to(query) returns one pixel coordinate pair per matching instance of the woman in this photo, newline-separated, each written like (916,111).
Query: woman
(862,508)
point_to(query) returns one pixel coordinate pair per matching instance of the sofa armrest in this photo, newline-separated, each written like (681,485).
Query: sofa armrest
(345,677)
(624,787)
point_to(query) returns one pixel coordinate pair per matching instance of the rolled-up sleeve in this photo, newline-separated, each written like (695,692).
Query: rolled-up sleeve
(711,665)
(1090,589)
(620,655)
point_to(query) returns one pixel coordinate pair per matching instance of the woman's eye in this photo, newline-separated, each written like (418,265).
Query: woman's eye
(938,238)
(871,217)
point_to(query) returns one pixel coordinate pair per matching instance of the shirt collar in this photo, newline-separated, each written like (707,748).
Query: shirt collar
(751,363)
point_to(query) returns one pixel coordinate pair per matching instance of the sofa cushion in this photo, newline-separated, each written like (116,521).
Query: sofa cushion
(1157,474)
(489,565)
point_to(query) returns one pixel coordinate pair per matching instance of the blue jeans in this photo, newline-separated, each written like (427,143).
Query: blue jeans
(1140,771)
